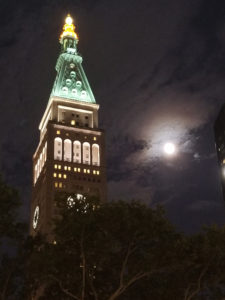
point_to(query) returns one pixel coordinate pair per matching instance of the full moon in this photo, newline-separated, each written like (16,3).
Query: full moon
(169,148)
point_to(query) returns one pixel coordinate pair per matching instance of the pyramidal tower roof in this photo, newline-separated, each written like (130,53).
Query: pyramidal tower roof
(71,81)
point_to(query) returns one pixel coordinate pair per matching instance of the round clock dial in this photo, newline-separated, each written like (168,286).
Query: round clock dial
(36,217)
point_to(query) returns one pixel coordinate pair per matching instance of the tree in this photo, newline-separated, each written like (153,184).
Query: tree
(100,251)
(10,227)
(124,251)
(11,241)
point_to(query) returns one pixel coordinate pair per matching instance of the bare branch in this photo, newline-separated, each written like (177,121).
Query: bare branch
(122,288)
(198,288)
(134,279)
(187,292)
(83,265)
(93,288)
(137,277)
(65,291)
(130,250)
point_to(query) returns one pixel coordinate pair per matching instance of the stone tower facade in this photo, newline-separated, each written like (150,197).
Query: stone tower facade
(70,156)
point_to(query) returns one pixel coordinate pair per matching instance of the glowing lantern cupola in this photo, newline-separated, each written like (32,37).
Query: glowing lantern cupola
(70,156)
(71,81)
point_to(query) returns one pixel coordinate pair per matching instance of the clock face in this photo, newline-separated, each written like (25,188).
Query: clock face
(36,217)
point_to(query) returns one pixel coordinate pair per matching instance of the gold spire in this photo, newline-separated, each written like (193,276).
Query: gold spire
(69,28)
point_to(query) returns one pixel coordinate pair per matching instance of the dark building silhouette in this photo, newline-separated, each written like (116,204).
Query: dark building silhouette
(219,131)
(70,156)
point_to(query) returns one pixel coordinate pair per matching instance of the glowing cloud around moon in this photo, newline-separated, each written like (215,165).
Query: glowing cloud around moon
(169,148)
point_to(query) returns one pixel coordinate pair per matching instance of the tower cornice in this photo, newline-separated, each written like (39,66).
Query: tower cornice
(60,100)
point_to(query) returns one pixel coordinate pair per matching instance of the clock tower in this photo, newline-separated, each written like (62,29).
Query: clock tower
(70,156)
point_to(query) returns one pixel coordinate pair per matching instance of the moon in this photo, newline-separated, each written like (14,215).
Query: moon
(169,148)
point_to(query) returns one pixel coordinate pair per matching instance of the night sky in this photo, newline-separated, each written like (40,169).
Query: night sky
(157,69)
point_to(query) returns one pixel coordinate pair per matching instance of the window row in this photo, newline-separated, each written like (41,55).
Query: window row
(63,184)
(40,163)
(86,171)
(76,152)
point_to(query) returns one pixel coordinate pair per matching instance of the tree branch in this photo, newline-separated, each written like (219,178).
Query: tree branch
(198,288)
(93,288)
(124,264)
(83,265)
(65,291)
(122,288)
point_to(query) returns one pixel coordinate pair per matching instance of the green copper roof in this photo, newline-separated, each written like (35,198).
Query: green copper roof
(71,81)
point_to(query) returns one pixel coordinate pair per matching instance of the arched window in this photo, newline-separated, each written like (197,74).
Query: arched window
(43,157)
(95,155)
(45,152)
(41,162)
(67,150)
(35,173)
(86,153)
(58,148)
(38,168)
(77,152)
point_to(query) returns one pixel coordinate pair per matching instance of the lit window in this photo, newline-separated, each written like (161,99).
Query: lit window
(95,155)
(65,89)
(64,176)
(78,83)
(86,153)
(59,167)
(75,169)
(67,150)
(65,167)
(58,148)
(56,184)
(58,132)
(55,166)
(60,175)
(72,122)
(85,171)
(83,93)
(60,184)
(78,169)
(97,172)
(77,152)
(94,172)
(94,138)
(69,168)
(88,171)
(54,175)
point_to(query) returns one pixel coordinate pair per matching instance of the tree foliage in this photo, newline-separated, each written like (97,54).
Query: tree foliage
(10,227)
(11,242)
(124,251)
(111,251)
(100,251)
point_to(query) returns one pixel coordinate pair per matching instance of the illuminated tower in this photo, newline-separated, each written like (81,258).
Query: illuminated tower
(70,156)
